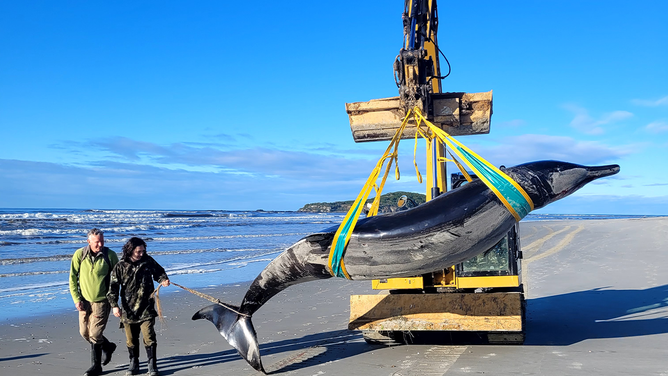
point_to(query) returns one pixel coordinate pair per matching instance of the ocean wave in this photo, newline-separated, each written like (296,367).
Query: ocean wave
(187,215)
(36,246)
(208,250)
(41,232)
(23,274)
(32,294)
(34,286)
(194,271)
(242,254)
(25,220)
(36,215)
(68,257)
(238,261)
(57,233)
(214,237)
(124,239)
(27,260)
(235,264)
(245,263)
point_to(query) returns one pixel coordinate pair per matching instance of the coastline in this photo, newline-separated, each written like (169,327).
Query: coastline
(596,305)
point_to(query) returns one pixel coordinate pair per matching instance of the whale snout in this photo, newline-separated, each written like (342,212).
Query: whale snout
(596,172)
(556,180)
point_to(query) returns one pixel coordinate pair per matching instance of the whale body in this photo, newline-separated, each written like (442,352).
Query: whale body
(445,231)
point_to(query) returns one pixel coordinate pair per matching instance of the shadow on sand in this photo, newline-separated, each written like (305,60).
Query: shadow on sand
(598,313)
(22,357)
(309,351)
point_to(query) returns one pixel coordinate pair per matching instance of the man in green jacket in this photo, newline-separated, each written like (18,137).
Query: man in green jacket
(89,283)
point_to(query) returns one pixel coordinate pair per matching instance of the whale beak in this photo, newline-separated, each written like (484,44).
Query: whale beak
(596,172)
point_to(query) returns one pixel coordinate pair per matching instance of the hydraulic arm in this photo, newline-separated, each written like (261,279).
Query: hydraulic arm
(416,68)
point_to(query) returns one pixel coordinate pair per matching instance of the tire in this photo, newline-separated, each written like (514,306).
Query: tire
(385,338)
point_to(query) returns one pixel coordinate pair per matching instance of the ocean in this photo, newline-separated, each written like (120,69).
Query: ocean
(197,248)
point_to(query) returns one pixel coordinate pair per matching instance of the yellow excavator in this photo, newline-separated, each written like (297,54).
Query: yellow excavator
(483,296)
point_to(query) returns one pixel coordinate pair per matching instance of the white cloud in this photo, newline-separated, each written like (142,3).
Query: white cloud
(135,186)
(258,161)
(651,103)
(657,127)
(532,147)
(585,123)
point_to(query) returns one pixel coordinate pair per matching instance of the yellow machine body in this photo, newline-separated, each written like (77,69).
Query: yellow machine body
(442,280)
(484,294)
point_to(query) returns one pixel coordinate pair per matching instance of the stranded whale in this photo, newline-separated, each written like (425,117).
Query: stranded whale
(438,234)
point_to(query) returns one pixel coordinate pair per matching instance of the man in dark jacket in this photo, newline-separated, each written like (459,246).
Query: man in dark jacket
(89,282)
(134,275)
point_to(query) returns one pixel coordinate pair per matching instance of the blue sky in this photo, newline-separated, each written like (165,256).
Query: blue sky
(198,105)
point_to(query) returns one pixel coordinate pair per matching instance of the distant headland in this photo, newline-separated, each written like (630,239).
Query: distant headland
(388,203)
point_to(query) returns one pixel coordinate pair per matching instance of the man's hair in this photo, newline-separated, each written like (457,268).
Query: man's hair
(130,246)
(95,232)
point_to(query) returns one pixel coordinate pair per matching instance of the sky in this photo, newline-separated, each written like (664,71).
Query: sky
(204,105)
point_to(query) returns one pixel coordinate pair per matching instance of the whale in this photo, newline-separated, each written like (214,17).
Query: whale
(442,232)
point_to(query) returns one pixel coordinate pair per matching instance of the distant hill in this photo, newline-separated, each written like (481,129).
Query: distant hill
(388,203)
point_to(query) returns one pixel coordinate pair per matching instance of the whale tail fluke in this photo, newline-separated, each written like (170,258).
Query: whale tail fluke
(236,329)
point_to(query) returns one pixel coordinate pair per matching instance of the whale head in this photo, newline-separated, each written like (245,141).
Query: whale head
(549,181)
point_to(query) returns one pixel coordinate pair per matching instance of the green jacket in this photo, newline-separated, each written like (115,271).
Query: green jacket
(135,280)
(89,276)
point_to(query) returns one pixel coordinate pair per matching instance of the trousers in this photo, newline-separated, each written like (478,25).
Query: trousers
(146,329)
(93,320)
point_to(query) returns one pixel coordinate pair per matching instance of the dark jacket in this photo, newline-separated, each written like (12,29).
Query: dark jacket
(135,280)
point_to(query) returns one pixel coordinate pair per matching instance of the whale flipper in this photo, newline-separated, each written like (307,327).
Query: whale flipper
(236,329)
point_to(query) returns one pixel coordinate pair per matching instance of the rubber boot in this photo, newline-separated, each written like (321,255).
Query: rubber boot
(108,348)
(95,359)
(133,368)
(151,361)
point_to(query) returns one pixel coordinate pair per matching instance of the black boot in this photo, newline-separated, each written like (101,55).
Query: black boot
(95,359)
(133,368)
(151,361)
(108,348)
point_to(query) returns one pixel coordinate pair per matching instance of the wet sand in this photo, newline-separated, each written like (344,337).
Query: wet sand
(597,296)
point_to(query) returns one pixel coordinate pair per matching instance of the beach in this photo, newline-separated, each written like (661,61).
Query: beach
(596,291)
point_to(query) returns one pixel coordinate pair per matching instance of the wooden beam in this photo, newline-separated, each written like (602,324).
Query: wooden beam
(442,311)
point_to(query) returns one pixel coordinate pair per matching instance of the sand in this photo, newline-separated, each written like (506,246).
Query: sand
(597,296)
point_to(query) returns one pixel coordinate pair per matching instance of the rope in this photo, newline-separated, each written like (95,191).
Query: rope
(200,294)
(158,307)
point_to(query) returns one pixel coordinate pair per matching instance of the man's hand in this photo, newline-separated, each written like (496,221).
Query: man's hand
(165,283)
(79,306)
(117,312)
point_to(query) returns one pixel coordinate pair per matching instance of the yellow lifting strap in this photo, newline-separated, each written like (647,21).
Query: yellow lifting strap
(342,236)
(513,197)
(511,194)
